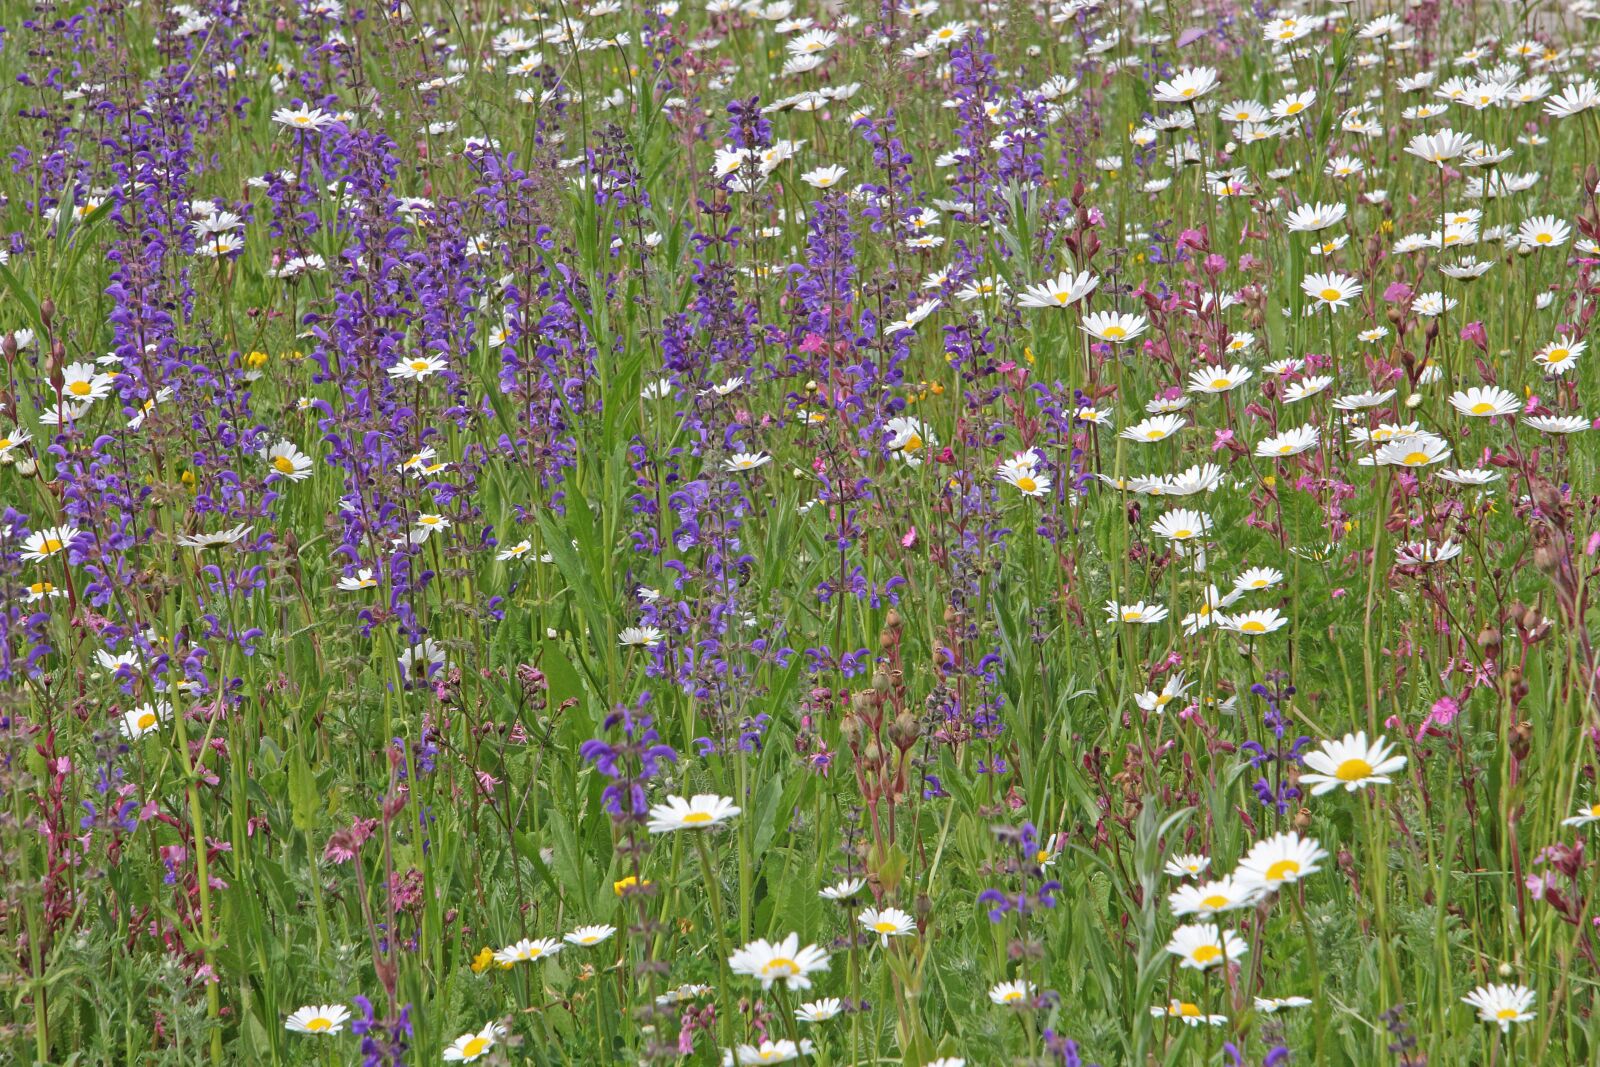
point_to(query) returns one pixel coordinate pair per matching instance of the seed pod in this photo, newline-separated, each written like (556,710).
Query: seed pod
(1521,740)
(907,728)
(47,311)
(1488,639)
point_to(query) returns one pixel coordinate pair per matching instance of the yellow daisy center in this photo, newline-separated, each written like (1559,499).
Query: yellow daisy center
(51,545)
(475,1046)
(1215,900)
(1295,108)
(147,720)
(1544,238)
(1414,459)
(1114,332)
(1253,627)
(1188,1010)
(1011,996)
(79,388)
(1180,535)
(697,817)
(1482,407)
(914,444)
(1353,770)
(1027,485)
(1506,1013)
(883,926)
(1330,294)
(1282,869)
(317,1025)
(419,364)
(284,464)
(780,966)
(1187,92)
(1220,383)
(1206,953)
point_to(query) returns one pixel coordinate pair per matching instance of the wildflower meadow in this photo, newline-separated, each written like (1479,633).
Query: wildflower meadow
(916,532)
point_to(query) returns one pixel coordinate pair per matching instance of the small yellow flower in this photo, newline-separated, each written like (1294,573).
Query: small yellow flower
(255,359)
(293,355)
(626,884)
(938,390)
(1386,226)
(1027,354)
(1270,481)
(187,480)
(482,960)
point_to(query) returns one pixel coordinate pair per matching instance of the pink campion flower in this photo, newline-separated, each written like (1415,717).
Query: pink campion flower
(1474,332)
(1222,440)
(1592,544)
(812,342)
(1195,239)
(1214,264)
(1397,293)
(910,538)
(1439,717)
